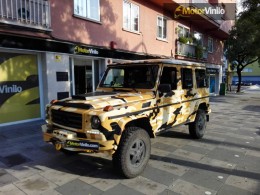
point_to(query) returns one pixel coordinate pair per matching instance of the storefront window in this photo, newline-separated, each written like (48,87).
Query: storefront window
(19,87)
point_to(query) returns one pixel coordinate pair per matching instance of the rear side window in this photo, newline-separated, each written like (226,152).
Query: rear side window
(201,78)
(186,78)
(169,76)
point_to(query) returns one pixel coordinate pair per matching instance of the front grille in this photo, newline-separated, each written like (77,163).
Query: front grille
(68,119)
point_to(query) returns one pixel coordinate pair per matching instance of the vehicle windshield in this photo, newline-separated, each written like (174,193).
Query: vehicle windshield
(130,76)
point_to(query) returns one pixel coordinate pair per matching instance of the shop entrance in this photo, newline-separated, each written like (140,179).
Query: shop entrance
(212,83)
(83,76)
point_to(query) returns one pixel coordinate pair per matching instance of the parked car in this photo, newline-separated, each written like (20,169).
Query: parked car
(135,101)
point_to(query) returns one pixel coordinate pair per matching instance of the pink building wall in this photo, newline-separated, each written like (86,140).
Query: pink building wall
(67,27)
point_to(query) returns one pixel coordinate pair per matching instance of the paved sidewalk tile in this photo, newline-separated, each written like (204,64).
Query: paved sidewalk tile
(10,189)
(244,183)
(144,185)
(186,188)
(35,184)
(77,187)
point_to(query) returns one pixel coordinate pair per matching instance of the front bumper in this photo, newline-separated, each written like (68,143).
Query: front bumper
(63,139)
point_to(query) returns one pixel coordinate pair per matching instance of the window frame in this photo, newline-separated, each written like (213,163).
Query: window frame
(131,24)
(88,11)
(210,48)
(183,78)
(183,27)
(157,27)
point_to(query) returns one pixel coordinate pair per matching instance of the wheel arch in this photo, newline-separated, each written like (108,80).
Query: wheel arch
(143,123)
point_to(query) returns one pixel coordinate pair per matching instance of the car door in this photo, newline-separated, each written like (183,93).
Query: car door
(170,102)
(188,91)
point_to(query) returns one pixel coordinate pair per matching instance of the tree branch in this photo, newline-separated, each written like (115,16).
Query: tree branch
(250,62)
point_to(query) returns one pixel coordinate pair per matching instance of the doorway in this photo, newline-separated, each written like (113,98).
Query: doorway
(83,76)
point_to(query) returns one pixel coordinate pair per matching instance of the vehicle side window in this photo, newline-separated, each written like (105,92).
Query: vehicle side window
(201,78)
(186,78)
(169,76)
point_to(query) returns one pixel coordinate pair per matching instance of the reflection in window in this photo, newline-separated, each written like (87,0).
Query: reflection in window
(87,8)
(161,27)
(169,76)
(143,77)
(201,78)
(183,31)
(130,16)
(187,82)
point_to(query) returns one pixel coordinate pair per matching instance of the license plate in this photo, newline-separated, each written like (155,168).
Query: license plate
(82,144)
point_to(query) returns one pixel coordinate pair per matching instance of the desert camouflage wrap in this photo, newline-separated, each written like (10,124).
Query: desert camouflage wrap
(70,119)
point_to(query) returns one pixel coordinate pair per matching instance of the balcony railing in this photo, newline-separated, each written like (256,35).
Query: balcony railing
(190,51)
(26,13)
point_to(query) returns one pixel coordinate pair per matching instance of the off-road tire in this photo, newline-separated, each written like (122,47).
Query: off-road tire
(198,127)
(133,152)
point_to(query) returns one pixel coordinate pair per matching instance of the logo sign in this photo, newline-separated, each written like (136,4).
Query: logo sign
(182,11)
(223,12)
(84,50)
(10,89)
(82,144)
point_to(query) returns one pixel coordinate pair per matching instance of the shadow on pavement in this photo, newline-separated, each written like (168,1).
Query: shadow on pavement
(253,108)
(197,165)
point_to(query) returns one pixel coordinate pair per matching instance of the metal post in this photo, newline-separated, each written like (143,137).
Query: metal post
(1,5)
(12,10)
(38,6)
(25,10)
(6,8)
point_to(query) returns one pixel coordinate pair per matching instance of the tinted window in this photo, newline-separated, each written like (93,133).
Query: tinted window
(169,76)
(186,78)
(201,78)
(132,76)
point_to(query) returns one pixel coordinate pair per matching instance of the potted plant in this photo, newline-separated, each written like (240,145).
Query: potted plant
(183,40)
(199,51)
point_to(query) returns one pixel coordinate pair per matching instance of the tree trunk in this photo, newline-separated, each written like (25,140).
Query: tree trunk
(239,70)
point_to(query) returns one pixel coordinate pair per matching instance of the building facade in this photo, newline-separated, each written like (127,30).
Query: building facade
(250,74)
(54,49)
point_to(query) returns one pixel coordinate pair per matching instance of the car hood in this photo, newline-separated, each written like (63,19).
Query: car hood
(98,100)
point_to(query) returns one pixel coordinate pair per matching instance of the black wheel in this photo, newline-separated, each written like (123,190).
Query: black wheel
(133,152)
(198,127)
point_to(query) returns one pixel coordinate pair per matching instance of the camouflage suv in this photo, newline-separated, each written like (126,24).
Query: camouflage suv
(134,102)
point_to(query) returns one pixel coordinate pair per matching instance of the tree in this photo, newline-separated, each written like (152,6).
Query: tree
(242,46)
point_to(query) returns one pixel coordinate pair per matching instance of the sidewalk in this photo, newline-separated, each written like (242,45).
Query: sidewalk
(226,161)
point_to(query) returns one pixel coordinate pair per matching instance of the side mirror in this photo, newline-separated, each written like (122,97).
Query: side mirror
(164,88)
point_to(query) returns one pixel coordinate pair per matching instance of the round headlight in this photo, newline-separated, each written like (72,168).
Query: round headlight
(95,122)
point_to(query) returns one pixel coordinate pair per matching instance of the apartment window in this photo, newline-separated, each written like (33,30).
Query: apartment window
(187,82)
(130,16)
(183,31)
(161,27)
(89,9)
(210,45)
